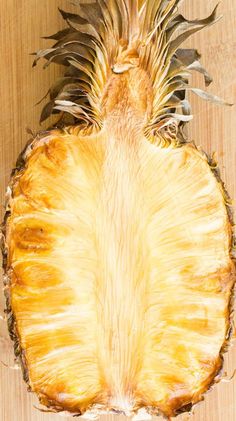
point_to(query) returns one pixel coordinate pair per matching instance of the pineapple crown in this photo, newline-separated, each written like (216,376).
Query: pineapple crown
(112,36)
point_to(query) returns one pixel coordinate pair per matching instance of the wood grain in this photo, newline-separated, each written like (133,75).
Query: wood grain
(22,24)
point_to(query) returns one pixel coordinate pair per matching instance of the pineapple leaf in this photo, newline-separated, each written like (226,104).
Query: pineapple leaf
(106,37)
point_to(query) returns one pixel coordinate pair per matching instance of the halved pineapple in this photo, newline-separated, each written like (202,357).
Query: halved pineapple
(119,264)
(120,272)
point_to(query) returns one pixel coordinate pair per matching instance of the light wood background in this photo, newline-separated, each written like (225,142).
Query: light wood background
(22,23)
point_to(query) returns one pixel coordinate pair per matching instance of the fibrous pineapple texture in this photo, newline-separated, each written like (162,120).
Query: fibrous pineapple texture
(117,251)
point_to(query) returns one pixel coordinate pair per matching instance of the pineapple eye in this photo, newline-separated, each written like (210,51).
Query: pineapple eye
(36,275)
(37,236)
(33,238)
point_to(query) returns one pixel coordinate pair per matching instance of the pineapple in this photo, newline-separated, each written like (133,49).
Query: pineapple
(118,236)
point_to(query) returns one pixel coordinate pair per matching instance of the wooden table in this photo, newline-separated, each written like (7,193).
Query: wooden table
(22,24)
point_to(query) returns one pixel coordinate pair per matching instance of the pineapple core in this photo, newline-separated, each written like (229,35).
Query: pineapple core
(120,265)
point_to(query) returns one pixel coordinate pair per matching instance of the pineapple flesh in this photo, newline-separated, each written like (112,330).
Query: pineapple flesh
(119,266)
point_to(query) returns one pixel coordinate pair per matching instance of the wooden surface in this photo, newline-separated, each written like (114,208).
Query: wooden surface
(22,22)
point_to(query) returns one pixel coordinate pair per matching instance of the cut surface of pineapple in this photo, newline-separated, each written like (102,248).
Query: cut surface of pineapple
(120,272)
